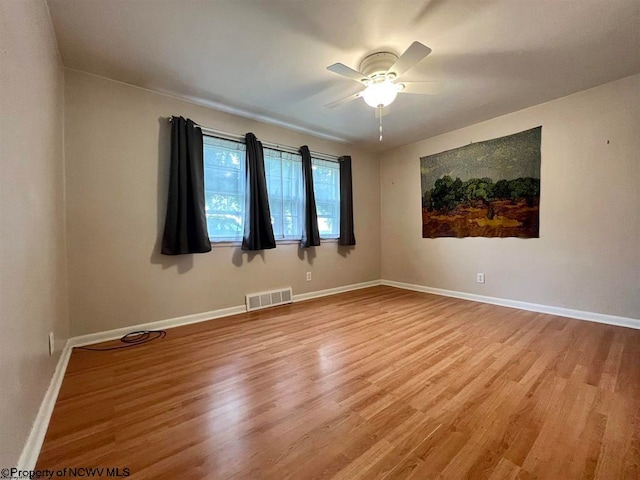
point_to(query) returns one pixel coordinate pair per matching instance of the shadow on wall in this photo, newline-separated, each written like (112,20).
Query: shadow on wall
(345,250)
(238,257)
(307,253)
(310,253)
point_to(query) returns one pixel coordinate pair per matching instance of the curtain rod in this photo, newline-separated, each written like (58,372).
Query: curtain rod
(275,146)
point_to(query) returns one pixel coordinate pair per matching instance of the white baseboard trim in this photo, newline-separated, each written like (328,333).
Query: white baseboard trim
(100,337)
(534,307)
(332,291)
(31,450)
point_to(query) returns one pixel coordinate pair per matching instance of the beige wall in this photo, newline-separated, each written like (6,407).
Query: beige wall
(117,150)
(32,250)
(588,256)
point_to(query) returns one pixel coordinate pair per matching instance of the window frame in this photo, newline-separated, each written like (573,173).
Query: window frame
(295,159)
(319,162)
(239,147)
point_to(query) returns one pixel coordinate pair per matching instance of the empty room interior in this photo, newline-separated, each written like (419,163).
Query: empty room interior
(345,239)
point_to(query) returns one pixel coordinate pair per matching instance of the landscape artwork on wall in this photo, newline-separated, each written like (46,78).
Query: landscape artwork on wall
(485,189)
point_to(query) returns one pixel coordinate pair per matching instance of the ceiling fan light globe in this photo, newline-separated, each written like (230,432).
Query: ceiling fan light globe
(380,94)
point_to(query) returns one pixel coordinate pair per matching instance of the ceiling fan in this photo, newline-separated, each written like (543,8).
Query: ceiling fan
(380,73)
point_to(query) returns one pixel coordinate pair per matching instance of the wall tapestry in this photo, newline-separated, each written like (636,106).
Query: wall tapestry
(486,189)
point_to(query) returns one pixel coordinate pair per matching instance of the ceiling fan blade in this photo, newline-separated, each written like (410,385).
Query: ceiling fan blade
(344,100)
(345,71)
(422,88)
(410,58)
(385,111)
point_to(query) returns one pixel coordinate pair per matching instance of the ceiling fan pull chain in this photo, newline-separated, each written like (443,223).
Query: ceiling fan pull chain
(380,112)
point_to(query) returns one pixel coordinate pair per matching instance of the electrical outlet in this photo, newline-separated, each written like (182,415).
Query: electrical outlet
(52,344)
(480,278)
(308,276)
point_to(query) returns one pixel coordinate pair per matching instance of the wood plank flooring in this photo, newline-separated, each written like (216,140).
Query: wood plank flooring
(379,383)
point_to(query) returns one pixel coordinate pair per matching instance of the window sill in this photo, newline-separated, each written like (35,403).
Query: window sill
(234,243)
(225,243)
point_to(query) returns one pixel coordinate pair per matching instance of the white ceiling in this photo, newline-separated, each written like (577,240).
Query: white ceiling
(267,59)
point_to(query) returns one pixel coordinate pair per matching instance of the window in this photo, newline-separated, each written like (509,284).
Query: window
(284,187)
(326,186)
(224,165)
(224,186)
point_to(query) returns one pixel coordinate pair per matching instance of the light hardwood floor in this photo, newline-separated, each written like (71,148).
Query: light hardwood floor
(376,383)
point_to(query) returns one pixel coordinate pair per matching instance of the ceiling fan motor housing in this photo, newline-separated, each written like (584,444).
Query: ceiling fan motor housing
(377,64)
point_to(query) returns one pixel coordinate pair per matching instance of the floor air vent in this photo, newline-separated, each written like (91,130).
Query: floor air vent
(256,301)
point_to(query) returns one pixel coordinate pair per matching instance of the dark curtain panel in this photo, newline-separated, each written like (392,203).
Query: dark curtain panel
(347,236)
(258,231)
(185,227)
(310,232)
